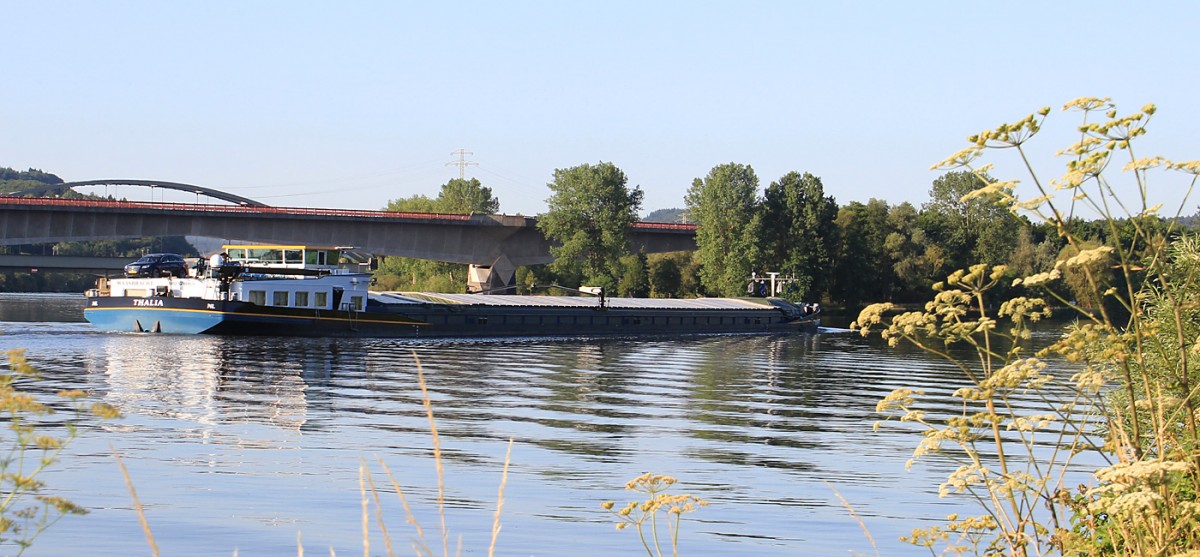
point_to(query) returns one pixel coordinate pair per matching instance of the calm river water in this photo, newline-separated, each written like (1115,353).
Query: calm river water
(244,444)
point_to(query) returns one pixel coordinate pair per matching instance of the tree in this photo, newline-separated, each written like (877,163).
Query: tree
(722,205)
(634,281)
(466,196)
(12,180)
(863,270)
(918,258)
(589,216)
(416,204)
(404,273)
(666,278)
(667,215)
(1035,251)
(972,229)
(795,233)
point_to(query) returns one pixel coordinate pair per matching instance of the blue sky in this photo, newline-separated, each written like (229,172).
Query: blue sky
(351,104)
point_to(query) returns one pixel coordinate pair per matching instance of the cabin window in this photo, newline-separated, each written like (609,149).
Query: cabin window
(356,303)
(321,299)
(258,297)
(481,320)
(302,299)
(320,257)
(265,255)
(280,298)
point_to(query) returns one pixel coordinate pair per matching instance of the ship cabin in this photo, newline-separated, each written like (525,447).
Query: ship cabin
(286,257)
(302,277)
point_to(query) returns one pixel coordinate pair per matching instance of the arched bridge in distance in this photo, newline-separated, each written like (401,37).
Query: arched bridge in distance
(491,242)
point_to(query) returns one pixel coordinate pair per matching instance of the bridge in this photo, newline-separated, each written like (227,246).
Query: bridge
(492,244)
(63,263)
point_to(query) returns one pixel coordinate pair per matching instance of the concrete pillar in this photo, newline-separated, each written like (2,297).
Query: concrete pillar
(494,278)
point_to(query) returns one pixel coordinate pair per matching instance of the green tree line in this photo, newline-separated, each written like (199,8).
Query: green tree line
(846,255)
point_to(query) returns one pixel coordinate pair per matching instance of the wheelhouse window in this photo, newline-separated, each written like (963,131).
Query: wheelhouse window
(320,257)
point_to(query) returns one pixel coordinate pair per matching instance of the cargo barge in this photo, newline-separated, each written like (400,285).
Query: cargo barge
(300,291)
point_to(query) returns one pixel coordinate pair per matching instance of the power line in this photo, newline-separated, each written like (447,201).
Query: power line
(462,163)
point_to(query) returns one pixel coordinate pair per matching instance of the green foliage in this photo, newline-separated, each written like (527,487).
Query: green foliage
(31,446)
(667,215)
(417,203)
(457,196)
(1130,391)
(419,275)
(635,276)
(862,269)
(466,196)
(795,233)
(666,279)
(589,216)
(13,180)
(969,228)
(722,205)
(132,248)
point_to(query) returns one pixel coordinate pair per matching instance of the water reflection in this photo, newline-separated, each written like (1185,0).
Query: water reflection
(26,307)
(274,428)
(212,380)
(753,401)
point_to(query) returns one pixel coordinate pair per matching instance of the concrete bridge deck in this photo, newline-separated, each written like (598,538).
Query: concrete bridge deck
(473,239)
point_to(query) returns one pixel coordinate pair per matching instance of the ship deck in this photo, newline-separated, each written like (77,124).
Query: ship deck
(573,301)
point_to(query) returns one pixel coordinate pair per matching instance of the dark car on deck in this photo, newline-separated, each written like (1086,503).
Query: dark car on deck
(158,265)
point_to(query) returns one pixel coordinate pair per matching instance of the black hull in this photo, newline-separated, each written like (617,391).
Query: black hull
(195,316)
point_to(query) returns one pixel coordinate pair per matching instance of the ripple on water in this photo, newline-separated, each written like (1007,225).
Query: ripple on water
(242,442)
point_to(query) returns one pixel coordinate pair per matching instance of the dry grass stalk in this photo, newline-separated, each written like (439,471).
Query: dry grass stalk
(137,506)
(500,499)
(437,456)
(387,539)
(855,516)
(419,545)
(366,514)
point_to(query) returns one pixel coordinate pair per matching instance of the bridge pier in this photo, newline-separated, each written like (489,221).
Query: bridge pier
(498,277)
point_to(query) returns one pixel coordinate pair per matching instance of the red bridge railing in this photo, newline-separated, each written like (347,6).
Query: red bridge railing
(299,211)
(239,209)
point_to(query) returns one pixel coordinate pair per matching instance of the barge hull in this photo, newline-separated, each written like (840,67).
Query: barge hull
(192,316)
